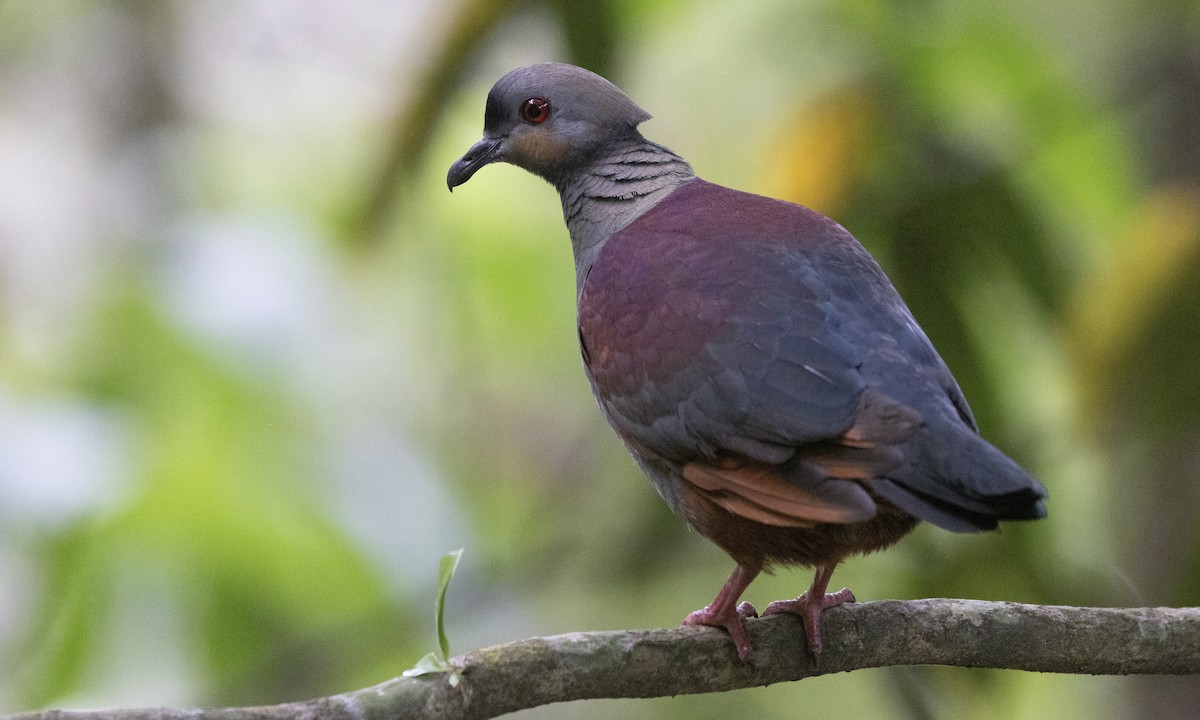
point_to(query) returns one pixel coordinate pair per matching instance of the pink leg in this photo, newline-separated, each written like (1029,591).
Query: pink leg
(810,610)
(724,612)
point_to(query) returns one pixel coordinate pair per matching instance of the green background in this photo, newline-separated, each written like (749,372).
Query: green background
(259,370)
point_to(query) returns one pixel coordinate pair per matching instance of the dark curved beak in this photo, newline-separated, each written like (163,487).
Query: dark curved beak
(481,153)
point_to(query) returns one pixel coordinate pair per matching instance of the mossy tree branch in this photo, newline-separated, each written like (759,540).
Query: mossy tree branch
(653,663)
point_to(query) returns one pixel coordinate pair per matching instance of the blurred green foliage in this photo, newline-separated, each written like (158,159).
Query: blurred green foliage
(258,370)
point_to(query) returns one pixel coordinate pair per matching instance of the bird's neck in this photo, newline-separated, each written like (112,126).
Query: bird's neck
(603,197)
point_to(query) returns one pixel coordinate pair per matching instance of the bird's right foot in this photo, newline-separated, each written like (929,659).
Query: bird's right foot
(809,607)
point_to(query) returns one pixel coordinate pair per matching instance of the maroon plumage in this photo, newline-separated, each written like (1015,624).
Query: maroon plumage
(751,354)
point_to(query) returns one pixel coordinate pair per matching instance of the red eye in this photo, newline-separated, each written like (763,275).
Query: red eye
(535,110)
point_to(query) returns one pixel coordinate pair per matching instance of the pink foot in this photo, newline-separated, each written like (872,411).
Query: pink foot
(722,613)
(733,624)
(810,611)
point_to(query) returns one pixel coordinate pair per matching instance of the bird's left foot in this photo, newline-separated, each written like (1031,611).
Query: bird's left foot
(723,617)
(810,612)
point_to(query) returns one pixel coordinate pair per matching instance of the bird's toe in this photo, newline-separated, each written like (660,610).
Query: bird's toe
(731,621)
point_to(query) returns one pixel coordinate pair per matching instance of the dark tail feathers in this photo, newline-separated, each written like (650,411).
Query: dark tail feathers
(958,481)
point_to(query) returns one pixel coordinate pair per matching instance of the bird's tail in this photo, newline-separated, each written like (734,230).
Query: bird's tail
(961,482)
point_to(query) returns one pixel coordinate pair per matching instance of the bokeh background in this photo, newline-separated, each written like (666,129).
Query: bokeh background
(259,370)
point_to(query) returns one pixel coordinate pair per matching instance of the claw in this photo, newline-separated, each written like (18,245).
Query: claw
(732,622)
(810,612)
(723,613)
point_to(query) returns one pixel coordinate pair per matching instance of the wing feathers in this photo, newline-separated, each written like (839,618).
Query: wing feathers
(765,494)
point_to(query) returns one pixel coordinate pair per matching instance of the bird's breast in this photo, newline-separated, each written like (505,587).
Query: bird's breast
(645,312)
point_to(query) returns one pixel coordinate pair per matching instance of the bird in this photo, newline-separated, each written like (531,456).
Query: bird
(750,353)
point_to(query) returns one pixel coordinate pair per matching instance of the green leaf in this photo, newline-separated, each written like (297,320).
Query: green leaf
(446,570)
(427,665)
(431,663)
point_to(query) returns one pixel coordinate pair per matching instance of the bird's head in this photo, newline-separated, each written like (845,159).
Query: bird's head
(550,119)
